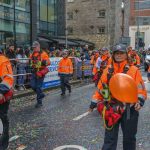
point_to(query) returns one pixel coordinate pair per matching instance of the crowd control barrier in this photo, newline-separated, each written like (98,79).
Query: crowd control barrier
(22,72)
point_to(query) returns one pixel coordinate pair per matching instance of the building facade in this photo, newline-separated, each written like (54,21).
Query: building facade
(140,22)
(98,21)
(14,21)
(22,21)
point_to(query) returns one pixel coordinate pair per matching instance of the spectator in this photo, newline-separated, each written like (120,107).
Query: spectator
(21,68)
(10,53)
(85,52)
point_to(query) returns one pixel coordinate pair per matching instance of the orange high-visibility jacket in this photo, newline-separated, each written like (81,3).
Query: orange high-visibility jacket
(118,68)
(65,66)
(40,56)
(6,74)
(106,60)
(137,58)
(95,69)
(92,61)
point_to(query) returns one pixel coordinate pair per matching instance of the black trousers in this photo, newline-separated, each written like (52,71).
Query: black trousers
(129,129)
(4,140)
(64,79)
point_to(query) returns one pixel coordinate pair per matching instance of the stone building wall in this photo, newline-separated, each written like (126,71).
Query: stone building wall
(86,21)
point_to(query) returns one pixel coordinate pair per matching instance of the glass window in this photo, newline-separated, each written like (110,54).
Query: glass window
(70,30)
(143,20)
(101,30)
(22,28)
(8,3)
(22,16)
(43,25)
(142,5)
(6,25)
(43,10)
(23,5)
(6,13)
(51,27)
(51,11)
(70,15)
(70,1)
(101,13)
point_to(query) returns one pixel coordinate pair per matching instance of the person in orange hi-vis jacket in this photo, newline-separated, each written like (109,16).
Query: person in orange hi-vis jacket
(65,71)
(106,58)
(39,62)
(6,93)
(135,59)
(129,50)
(95,69)
(102,96)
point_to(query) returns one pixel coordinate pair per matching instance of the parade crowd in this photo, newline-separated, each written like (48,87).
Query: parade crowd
(116,73)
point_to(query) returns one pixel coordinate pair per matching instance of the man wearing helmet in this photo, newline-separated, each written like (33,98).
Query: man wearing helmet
(107,104)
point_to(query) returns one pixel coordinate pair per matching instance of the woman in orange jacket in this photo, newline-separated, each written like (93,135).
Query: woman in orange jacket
(6,93)
(102,95)
(65,70)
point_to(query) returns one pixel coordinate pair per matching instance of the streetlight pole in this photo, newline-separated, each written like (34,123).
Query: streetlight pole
(66,31)
(138,28)
(108,25)
(122,27)
(14,24)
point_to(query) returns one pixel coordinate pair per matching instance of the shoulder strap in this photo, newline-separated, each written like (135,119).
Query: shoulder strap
(110,72)
(126,68)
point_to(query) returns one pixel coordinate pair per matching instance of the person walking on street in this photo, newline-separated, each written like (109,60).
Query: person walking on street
(6,93)
(114,112)
(65,70)
(39,62)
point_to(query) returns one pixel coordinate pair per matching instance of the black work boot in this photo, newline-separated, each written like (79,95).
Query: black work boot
(38,105)
(4,142)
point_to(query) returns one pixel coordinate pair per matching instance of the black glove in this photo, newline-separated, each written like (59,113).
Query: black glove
(93,105)
(44,62)
(141,101)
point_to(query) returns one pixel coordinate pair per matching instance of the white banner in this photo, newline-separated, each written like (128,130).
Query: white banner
(52,79)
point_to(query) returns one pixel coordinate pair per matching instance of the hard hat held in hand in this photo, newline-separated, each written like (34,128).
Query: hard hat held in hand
(123,88)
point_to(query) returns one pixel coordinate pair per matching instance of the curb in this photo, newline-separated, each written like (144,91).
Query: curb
(31,92)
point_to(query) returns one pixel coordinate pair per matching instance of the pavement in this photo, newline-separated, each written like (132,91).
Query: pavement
(63,123)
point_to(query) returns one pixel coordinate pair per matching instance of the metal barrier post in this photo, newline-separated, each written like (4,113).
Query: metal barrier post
(82,69)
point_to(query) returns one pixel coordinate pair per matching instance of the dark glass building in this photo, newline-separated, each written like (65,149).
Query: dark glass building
(14,21)
(47,17)
(22,21)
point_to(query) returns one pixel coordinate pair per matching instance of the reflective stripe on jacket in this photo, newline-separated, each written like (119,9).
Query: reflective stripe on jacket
(6,74)
(65,66)
(37,58)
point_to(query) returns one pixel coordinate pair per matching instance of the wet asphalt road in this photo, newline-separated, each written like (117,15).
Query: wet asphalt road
(54,124)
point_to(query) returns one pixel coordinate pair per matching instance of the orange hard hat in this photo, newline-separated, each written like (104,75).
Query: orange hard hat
(123,88)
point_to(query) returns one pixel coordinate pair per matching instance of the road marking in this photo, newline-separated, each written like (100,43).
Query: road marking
(83,115)
(70,146)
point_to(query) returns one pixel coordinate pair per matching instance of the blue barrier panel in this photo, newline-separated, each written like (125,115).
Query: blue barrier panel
(87,68)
